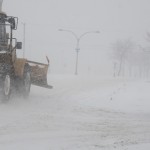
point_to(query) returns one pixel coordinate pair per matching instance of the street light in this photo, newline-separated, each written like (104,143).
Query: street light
(24,37)
(78,38)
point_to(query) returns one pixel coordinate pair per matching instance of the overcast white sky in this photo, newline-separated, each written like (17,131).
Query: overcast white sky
(115,19)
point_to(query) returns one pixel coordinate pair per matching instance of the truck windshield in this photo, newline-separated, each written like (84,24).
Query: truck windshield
(4,36)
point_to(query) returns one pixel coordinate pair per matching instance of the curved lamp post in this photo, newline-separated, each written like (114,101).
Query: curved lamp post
(78,38)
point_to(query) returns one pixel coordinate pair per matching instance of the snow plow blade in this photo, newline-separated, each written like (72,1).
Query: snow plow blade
(39,74)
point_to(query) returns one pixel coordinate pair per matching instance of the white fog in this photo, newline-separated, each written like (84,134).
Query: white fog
(99,66)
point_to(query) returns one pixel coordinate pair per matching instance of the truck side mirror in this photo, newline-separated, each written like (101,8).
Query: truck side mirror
(14,22)
(19,45)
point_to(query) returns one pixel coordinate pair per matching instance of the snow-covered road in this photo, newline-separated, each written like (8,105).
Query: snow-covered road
(80,113)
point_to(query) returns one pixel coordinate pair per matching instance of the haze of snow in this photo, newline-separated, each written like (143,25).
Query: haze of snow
(115,19)
(79,113)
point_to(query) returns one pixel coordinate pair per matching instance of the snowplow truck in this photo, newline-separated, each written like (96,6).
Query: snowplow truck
(17,73)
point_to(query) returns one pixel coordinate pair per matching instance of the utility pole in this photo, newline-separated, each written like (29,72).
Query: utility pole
(24,38)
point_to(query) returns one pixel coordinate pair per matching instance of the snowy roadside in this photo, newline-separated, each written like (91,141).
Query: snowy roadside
(80,113)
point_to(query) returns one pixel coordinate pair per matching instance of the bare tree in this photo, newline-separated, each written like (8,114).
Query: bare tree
(121,51)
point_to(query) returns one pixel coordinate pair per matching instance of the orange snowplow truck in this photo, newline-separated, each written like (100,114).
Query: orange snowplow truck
(17,73)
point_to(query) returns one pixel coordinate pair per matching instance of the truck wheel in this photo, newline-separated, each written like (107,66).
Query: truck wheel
(7,83)
(26,83)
